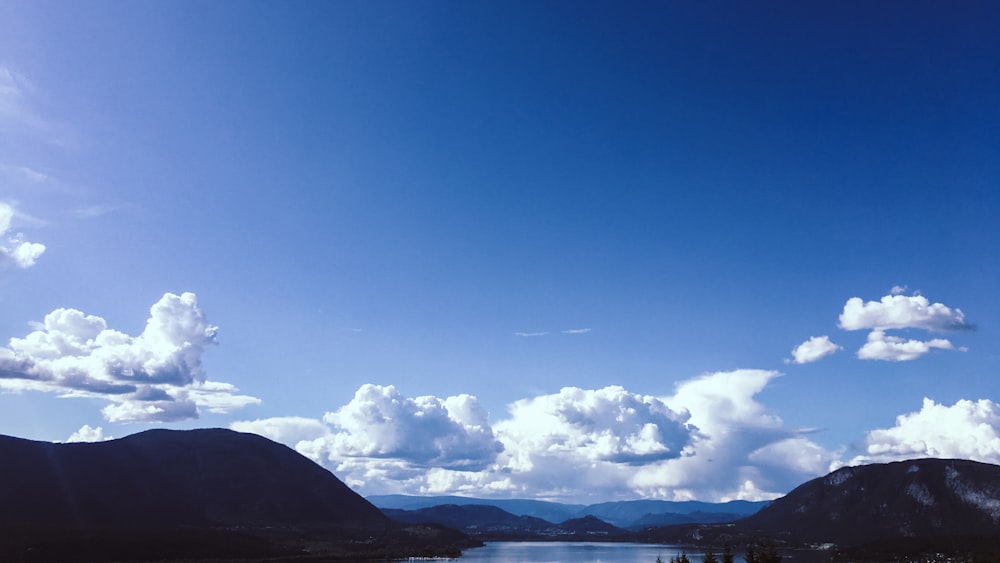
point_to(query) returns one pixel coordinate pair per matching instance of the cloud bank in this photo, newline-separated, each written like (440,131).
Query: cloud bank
(709,440)
(156,376)
(13,247)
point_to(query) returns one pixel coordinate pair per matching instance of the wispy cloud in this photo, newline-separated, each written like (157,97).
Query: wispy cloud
(546,333)
(19,116)
(98,210)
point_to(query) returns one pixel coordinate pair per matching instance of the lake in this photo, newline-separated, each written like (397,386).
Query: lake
(573,552)
(595,552)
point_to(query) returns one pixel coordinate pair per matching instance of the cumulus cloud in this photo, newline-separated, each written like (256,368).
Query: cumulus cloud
(156,376)
(881,346)
(609,424)
(900,311)
(966,430)
(13,246)
(381,424)
(814,349)
(88,434)
(710,440)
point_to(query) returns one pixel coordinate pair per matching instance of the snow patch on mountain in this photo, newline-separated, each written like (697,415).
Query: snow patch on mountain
(838,477)
(985,499)
(918,491)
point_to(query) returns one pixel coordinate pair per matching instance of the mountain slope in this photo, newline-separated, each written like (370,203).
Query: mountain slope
(206,477)
(918,498)
(478,520)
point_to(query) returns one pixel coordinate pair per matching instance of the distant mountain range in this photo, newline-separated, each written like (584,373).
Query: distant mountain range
(622,514)
(487,522)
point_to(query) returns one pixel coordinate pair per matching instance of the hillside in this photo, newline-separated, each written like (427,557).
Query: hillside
(916,506)
(198,493)
(918,498)
(160,477)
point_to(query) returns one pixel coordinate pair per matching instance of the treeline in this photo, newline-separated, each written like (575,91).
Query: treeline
(755,552)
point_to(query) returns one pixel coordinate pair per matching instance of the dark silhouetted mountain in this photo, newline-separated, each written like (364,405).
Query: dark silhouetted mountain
(589,526)
(209,477)
(624,514)
(476,520)
(192,495)
(940,502)
(918,498)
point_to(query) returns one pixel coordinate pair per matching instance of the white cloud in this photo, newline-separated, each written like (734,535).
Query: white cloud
(88,434)
(576,331)
(14,247)
(898,289)
(965,430)
(895,349)
(381,423)
(710,440)
(816,348)
(734,429)
(530,334)
(609,424)
(156,376)
(900,311)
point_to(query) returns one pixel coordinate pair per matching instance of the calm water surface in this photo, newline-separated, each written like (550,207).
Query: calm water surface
(592,552)
(572,552)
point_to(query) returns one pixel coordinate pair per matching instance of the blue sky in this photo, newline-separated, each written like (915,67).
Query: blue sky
(551,249)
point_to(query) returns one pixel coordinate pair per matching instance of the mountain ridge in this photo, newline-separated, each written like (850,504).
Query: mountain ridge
(622,514)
